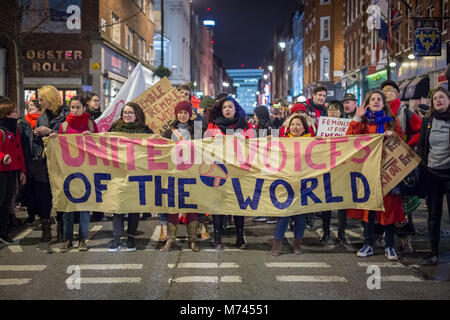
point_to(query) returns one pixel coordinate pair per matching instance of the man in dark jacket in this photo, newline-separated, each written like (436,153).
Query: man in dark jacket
(316,105)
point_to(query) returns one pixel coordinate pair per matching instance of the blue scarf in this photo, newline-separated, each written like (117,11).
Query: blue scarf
(379,118)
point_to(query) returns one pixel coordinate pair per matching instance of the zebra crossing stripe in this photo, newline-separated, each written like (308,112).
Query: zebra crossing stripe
(17,248)
(400,279)
(198,265)
(110,266)
(297,265)
(14,282)
(23,267)
(382,264)
(293,278)
(206,279)
(109,280)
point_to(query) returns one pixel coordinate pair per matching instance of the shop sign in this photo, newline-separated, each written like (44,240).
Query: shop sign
(52,60)
(427,42)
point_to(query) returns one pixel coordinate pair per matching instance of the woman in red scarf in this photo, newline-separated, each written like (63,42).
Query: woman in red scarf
(375,116)
(77,121)
(34,111)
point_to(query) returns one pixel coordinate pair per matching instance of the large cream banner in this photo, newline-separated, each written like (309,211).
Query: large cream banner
(122,173)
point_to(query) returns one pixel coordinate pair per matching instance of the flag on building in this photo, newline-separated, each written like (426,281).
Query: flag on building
(386,29)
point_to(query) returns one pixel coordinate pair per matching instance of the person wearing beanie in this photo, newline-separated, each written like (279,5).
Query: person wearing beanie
(422,110)
(350,103)
(301,109)
(409,121)
(181,129)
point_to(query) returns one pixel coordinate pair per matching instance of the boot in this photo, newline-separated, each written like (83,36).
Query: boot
(60,231)
(192,233)
(46,231)
(171,240)
(204,231)
(217,233)
(297,246)
(163,233)
(406,244)
(240,241)
(276,248)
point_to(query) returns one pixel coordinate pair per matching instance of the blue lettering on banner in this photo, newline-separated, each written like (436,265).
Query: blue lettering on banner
(360,176)
(87,185)
(308,191)
(328,192)
(273,197)
(98,177)
(183,194)
(253,203)
(170,191)
(141,180)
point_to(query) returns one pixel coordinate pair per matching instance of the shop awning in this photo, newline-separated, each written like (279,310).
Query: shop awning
(418,88)
(402,86)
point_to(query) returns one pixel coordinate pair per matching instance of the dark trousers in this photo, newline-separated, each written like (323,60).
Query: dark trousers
(219,219)
(342,223)
(8,188)
(29,199)
(369,231)
(43,199)
(118,224)
(439,186)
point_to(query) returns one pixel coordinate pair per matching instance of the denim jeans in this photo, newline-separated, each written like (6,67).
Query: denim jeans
(342,223)
(163,218)
(299,226)
(68,219)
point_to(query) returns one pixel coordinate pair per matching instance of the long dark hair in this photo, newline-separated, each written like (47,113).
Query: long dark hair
(391,125)
(140,115)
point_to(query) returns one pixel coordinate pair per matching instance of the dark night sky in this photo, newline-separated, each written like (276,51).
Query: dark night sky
(245,28)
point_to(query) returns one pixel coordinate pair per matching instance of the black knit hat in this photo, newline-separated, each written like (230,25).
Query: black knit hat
(390,83)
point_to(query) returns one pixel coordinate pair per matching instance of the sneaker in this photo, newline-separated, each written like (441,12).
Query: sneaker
(390,253)
(343,241)
(82,245)
(5,239)
(67,246)
(431,260)
(365,251)
(327,241)
(260,219)
(30,221)
(271,220)
(131,246)
(114,246)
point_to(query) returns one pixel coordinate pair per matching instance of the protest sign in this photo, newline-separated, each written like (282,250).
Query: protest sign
(124,173)
(332,127)
(398,160)
(158,104)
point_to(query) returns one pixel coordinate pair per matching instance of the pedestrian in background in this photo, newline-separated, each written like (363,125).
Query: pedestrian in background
(296,126)
(350,103)
(78,121)
(375,116)
(434,149)
(227,114)
(52,115)
(93,104)
(132,120)
(181,129)
(12,163)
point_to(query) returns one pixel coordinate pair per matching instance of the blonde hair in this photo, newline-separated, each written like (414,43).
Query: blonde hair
(51,94)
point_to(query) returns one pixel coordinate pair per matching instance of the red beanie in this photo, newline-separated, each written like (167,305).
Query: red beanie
(298,107)
(184,105)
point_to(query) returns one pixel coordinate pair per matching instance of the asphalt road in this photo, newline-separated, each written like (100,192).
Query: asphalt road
(33,270)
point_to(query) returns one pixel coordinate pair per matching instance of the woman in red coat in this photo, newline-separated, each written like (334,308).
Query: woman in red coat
(11,162)
(375,116)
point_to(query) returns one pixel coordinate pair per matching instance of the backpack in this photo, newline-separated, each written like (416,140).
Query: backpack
(65,124)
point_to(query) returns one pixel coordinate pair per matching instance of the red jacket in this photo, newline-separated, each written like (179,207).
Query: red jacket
(12,145)
(393,205)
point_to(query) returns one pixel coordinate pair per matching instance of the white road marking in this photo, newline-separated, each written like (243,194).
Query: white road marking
(156,233)
(93,231)
(196,265)
(14,282)
(23,267)
(297,265)
(108,280)
(207,279)
(400,279)
(17,248)
(110,266)
(292,278)
(382,264)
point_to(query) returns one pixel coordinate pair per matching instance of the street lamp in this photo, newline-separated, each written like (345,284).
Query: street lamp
(282,45)
(265,77)
(392,64)
(411,56)
(270,68)
(225,84)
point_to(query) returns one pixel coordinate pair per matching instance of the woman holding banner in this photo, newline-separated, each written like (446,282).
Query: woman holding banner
(132,120)
(182,129)
(78,121)
(375,116)
(434,149)
(295,126)
(52,115)
(228,115)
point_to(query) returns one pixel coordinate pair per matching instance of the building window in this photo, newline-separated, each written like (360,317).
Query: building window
(130,39)
(115,28)
(445,13)
(324,28)
(150,10)
(325,1)
(324,64)
(151,54)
